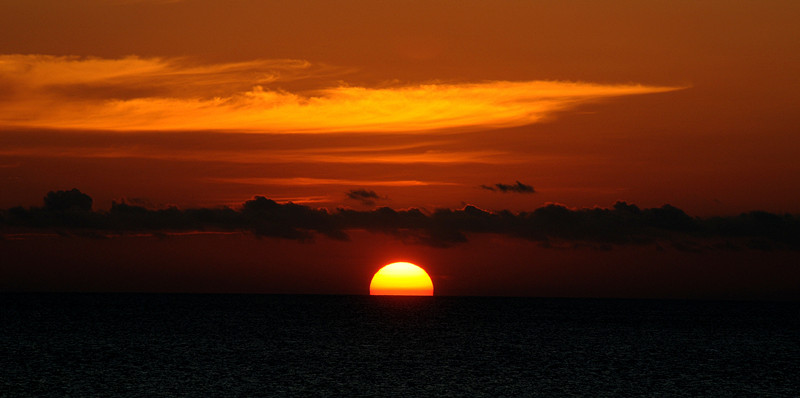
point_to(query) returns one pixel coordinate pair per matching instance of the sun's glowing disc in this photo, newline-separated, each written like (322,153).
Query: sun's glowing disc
(401,279)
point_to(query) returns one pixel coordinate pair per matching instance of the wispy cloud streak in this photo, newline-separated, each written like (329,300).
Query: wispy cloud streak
(301,181)
(332,155)
(172,94)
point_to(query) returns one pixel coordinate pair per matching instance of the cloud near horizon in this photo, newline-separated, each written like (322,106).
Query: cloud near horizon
(553,225)
(365,196)
(518,187)
(141,94)
(301,181)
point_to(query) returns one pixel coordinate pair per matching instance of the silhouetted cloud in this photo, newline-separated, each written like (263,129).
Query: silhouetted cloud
(366,197)
(505,188)
(72,200)
(552,225)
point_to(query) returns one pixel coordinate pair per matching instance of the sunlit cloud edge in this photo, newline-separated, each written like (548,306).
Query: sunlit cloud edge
(102,95)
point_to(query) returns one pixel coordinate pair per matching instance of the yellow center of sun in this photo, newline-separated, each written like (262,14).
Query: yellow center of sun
(401,279)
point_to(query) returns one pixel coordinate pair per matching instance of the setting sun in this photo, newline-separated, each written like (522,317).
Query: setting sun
(401,279)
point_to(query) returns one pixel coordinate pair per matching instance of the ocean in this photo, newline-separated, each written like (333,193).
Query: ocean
(351,346)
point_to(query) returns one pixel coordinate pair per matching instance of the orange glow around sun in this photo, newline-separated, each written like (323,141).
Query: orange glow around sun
(401,279)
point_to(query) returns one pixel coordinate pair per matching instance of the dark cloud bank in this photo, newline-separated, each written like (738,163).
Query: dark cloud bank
(552,225)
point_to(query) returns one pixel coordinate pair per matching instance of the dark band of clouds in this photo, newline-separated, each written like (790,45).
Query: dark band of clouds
(601,227)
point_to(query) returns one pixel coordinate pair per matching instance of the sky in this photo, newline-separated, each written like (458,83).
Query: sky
(360,105)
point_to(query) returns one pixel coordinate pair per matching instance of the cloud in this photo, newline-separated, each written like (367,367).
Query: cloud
(514,188)
(366,197)
(377,154)
(552,225)
(134,93)
(300,181)
(72,200)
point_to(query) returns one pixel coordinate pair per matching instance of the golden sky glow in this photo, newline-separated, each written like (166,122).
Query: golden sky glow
(156,94)
(430,105)
(396,155)
(331,181)
(692,103)
(401,279)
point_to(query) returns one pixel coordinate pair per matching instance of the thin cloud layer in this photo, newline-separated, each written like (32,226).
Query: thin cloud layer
(136,93)
(552,225)
(301,181)
(270,155)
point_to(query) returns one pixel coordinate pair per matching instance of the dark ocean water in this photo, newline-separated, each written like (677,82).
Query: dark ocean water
(266,345)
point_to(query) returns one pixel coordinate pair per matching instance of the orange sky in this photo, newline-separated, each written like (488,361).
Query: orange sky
(688,103)
(428,104)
